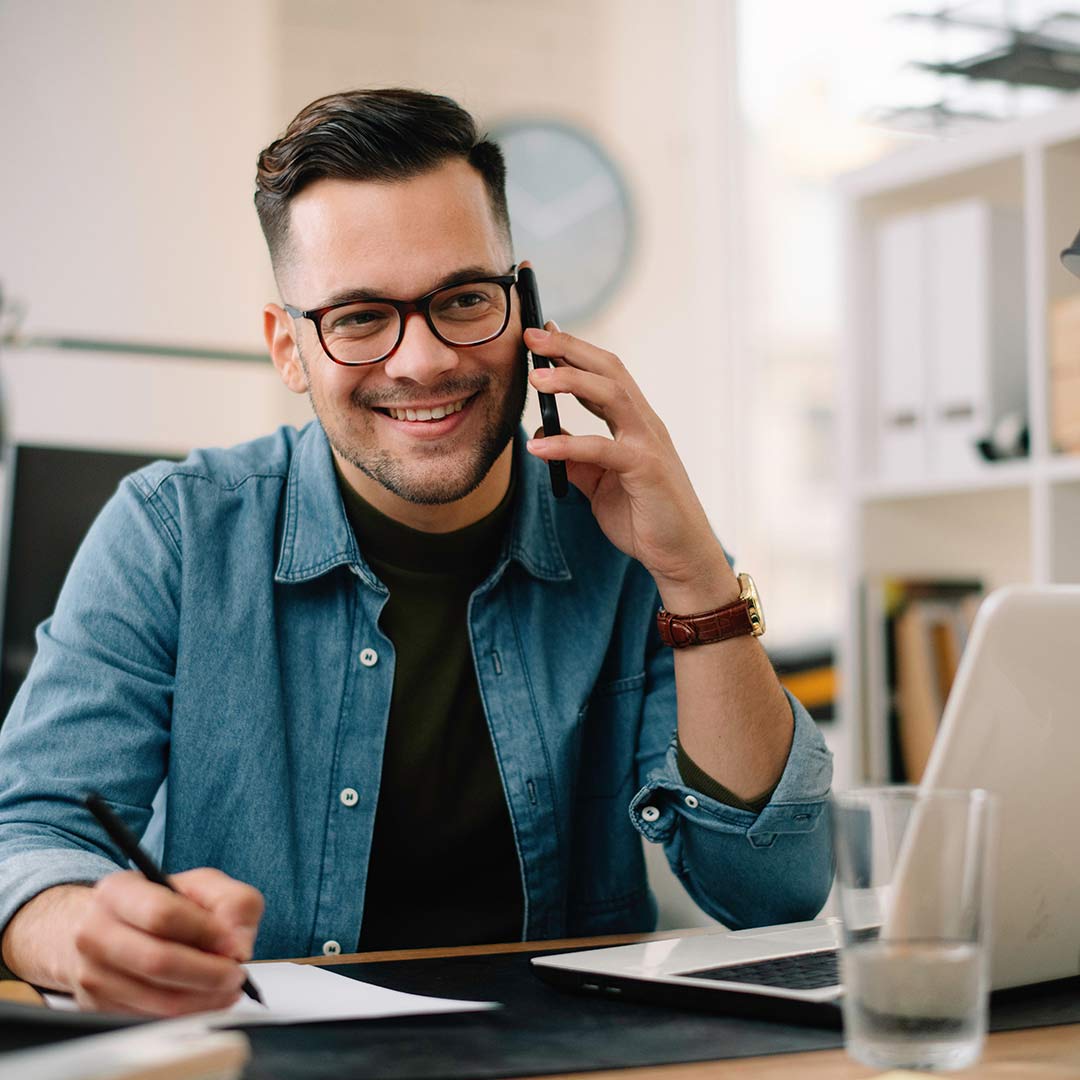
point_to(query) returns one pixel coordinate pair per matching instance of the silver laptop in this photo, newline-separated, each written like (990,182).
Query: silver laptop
(1012,726)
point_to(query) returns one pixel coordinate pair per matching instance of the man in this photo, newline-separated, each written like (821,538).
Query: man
(395,688)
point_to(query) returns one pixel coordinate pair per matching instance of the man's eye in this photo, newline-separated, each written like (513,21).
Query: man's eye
(357,321)
(470,304)
(467,300)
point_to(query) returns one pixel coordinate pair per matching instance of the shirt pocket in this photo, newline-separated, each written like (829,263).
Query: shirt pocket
(608,723)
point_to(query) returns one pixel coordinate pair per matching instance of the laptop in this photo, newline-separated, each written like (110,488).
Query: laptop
(1011,725)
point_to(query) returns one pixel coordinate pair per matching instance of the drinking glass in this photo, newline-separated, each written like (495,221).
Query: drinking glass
(913,871)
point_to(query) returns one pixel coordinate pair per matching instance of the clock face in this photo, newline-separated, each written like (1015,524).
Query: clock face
(570,214)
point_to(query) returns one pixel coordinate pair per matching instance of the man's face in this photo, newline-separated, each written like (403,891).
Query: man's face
(401,240)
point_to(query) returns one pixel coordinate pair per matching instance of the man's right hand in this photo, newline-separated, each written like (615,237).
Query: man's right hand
(128,945)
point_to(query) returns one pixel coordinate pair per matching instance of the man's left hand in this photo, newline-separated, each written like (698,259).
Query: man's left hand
(637,485)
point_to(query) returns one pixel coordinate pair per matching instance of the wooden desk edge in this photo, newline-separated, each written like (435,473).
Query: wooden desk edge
(19,992)
(24,993)
(507,947)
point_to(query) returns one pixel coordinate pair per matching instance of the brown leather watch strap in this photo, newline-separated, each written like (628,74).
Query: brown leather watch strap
(730,621)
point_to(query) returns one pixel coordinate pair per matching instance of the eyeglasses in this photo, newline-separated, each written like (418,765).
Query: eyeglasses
(368,331)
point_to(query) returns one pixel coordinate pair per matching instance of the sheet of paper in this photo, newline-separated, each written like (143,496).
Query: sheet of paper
(304,994)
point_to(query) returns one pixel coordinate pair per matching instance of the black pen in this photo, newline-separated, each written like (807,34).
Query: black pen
(125,840)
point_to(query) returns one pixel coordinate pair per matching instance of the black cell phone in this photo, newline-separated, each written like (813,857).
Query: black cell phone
(532,315)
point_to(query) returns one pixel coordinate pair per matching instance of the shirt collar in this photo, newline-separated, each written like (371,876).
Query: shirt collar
(316,536)
(534,539)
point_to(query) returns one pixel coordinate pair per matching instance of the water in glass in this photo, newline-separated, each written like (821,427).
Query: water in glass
(915,1004)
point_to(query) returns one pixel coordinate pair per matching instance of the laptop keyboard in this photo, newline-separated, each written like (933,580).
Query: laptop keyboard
(807,971)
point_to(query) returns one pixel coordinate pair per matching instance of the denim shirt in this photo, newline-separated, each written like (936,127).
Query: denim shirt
(218,638)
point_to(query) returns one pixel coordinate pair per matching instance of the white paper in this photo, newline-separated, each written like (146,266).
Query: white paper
(305,994)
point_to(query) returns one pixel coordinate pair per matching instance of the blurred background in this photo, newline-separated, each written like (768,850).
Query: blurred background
(673,175)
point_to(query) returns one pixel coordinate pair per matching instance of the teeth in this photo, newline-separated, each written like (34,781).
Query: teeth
(427,414)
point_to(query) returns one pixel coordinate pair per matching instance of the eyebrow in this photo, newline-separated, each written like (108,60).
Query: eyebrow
(456,277)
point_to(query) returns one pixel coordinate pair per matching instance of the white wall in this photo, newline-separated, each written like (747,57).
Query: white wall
(130,133)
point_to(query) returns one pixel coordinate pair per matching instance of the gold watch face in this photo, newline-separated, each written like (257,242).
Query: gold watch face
(749,593)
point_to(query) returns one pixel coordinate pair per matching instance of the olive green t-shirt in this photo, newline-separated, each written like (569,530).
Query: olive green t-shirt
(444,867)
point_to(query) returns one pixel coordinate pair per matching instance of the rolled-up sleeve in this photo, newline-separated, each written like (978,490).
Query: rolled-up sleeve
(746,869)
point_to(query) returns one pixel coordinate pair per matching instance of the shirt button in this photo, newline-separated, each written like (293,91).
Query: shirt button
(650,813)
(331,948)
(369,658)
(349,797)
(691,801)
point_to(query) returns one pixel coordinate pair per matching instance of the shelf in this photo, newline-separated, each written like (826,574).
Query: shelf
(1063,468)
(1001,477)
(986,534)
(926,163)
(1060,469)
(1012,522)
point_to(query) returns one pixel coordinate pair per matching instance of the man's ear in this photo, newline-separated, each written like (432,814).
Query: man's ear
(280,334)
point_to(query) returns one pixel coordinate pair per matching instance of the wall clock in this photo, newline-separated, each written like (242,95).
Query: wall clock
(571,215)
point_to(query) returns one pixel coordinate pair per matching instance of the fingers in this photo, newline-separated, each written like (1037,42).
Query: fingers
(602,396)
(239,905)
(610,393)
(584,449)
(119,947)
(141,948)
(110,990)
(153,909)
(559,345)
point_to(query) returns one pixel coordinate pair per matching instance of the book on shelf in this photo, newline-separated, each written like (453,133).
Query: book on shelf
(915,631)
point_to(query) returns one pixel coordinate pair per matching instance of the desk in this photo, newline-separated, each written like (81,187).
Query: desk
(1049,1053)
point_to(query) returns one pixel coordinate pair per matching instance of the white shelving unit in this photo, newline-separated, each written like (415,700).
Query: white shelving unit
(1009,522)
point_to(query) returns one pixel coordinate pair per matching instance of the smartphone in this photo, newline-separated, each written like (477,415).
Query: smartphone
(532,315)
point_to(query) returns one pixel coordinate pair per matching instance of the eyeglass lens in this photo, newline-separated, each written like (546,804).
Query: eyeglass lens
(461,314)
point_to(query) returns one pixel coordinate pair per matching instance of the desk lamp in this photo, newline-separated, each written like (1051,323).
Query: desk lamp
(1070,257)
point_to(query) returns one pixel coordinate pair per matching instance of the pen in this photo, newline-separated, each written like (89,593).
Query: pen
(125,840)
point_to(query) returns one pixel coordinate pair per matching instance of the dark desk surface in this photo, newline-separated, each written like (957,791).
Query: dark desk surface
(1047,1053)
(1043,1053)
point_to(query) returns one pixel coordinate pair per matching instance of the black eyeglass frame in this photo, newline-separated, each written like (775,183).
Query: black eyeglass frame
(405,308)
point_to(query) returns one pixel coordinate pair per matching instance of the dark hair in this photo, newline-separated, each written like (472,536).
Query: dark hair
(388,134)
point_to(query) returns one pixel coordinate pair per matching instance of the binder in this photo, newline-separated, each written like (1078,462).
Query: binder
(950,335)
(977,338)
(901,336)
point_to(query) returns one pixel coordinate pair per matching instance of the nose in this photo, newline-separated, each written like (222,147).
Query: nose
(421,357)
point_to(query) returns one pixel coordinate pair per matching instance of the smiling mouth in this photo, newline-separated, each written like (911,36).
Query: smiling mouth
(426,415)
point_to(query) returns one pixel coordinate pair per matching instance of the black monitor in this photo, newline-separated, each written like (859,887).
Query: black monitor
(54,494)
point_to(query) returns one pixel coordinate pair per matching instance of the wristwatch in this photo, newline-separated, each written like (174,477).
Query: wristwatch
(744,616)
